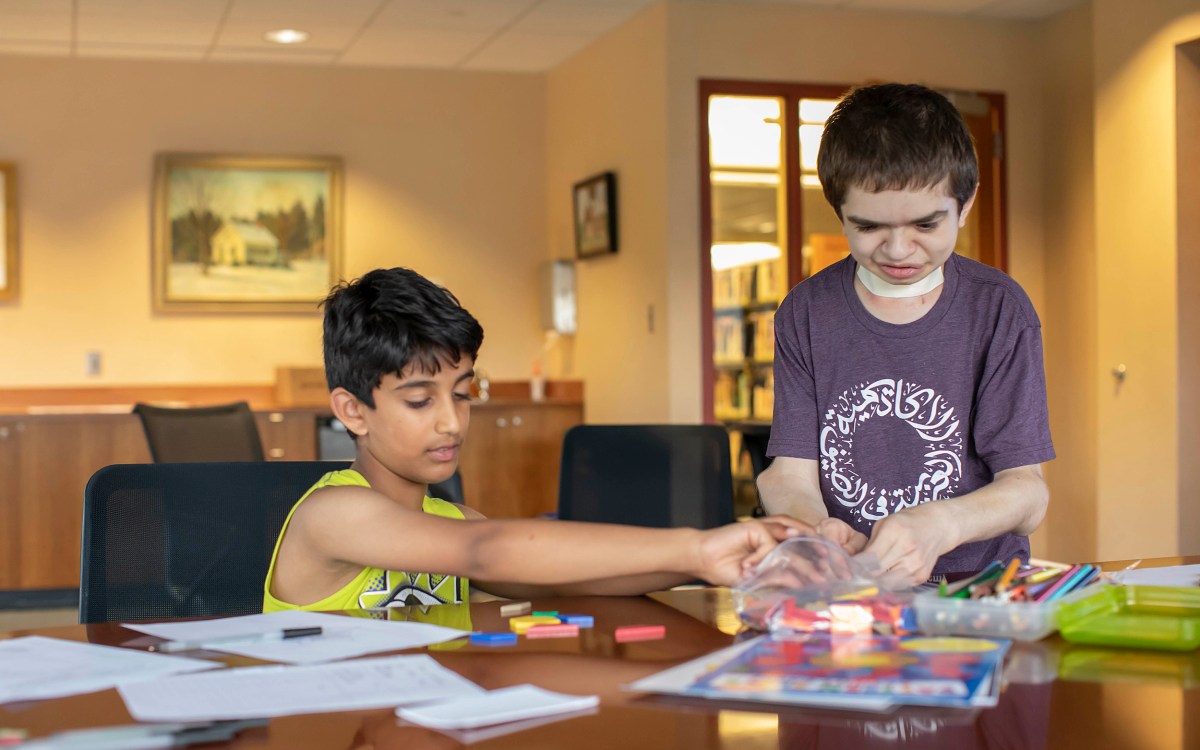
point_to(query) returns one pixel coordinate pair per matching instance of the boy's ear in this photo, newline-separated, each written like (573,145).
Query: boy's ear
(348,410)
(966,209)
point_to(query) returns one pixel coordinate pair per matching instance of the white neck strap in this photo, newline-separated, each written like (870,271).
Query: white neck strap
(881,288)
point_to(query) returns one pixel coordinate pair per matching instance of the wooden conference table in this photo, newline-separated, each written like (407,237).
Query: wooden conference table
(1059,695)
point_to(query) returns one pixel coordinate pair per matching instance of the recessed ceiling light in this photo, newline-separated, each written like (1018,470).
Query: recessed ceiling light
(286,36)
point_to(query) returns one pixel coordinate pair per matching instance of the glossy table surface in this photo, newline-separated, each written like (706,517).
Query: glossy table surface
(1058,695)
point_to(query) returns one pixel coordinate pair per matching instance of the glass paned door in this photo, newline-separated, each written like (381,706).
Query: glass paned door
(748,199)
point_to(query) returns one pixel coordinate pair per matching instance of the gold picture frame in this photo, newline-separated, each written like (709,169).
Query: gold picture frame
(9,277)
(246,233)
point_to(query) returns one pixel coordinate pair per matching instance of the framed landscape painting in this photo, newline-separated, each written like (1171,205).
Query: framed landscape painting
(8,231)
(245,233)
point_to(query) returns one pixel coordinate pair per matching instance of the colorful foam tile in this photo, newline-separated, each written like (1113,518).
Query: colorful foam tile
(552,631)
(631,633)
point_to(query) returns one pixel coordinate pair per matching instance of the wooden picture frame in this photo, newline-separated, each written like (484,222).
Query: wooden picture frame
(246,233)
(9,271)
(594,207)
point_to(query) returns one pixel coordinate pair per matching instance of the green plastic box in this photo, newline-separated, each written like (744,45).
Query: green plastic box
(1161,617)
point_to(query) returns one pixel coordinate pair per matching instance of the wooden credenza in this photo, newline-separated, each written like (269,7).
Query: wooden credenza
(509,468)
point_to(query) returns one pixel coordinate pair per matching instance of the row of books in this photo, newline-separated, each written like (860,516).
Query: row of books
(737,396)
(731,333)
(750,284)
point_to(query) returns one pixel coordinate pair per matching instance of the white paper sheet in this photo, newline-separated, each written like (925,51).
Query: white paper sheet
(282,691)
(1173,575)
(35,667)
(481,734)
(496,707)
(341,637)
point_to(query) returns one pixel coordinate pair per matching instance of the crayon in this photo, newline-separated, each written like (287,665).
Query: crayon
(959,589)
(1071,583)
(1048,592)
(1009,572)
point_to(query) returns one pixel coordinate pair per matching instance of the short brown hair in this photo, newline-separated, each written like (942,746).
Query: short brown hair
(895,136)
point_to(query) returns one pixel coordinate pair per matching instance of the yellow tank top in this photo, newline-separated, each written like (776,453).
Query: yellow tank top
(375,587)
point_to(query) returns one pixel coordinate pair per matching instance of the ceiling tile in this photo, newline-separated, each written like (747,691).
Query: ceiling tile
(331,25)
(576,18)
(460,15)
(424,48)
(35,20)
(150,22)
(526,53)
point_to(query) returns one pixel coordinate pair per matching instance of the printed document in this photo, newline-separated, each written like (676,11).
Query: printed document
(275,690)
(341,637)
(35,667)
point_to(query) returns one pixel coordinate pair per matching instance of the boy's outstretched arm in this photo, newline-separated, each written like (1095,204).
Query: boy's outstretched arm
(909,542)
(362,527)
(792,486)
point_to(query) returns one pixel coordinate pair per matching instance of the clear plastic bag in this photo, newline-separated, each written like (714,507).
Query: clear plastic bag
(809,584)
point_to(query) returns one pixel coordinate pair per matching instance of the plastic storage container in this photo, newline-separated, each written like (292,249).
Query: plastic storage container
(1161,617)
(990,618)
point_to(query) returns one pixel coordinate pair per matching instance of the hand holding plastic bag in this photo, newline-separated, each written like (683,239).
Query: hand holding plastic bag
(810,583)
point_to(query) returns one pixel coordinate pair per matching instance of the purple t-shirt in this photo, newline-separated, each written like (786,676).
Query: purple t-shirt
(898,415)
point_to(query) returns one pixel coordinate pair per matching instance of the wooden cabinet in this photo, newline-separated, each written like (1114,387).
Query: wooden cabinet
(288,435)
(46,462)
(510,460)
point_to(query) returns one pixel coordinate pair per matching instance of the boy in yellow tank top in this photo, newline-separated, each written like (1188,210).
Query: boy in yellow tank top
(399,357)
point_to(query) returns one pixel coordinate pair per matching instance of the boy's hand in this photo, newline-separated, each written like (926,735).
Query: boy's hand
(725,554)
(906,544)
(837,530)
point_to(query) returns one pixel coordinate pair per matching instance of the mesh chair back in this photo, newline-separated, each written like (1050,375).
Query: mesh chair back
(451,489)
(206,433)
(647,475)
(184,540)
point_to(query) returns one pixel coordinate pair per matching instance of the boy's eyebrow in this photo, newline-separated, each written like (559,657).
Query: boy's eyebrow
(935,216)
(429,383)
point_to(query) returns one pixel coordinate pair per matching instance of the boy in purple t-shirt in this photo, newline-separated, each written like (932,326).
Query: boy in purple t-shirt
(910,398)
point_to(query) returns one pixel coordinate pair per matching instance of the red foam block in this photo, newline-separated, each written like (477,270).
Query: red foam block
(630,633)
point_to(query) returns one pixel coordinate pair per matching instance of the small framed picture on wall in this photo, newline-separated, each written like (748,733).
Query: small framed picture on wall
(595,204)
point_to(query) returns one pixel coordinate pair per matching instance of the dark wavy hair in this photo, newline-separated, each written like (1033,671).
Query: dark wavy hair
(387,320)
(895,136)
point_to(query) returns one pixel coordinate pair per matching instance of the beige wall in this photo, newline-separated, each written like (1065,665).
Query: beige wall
(1069,314)
(606,111)
(1138,491)
(444,173)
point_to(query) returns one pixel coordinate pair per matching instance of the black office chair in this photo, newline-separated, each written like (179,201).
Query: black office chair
(184,540)
(647,475)
(451,489)
(200,434)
